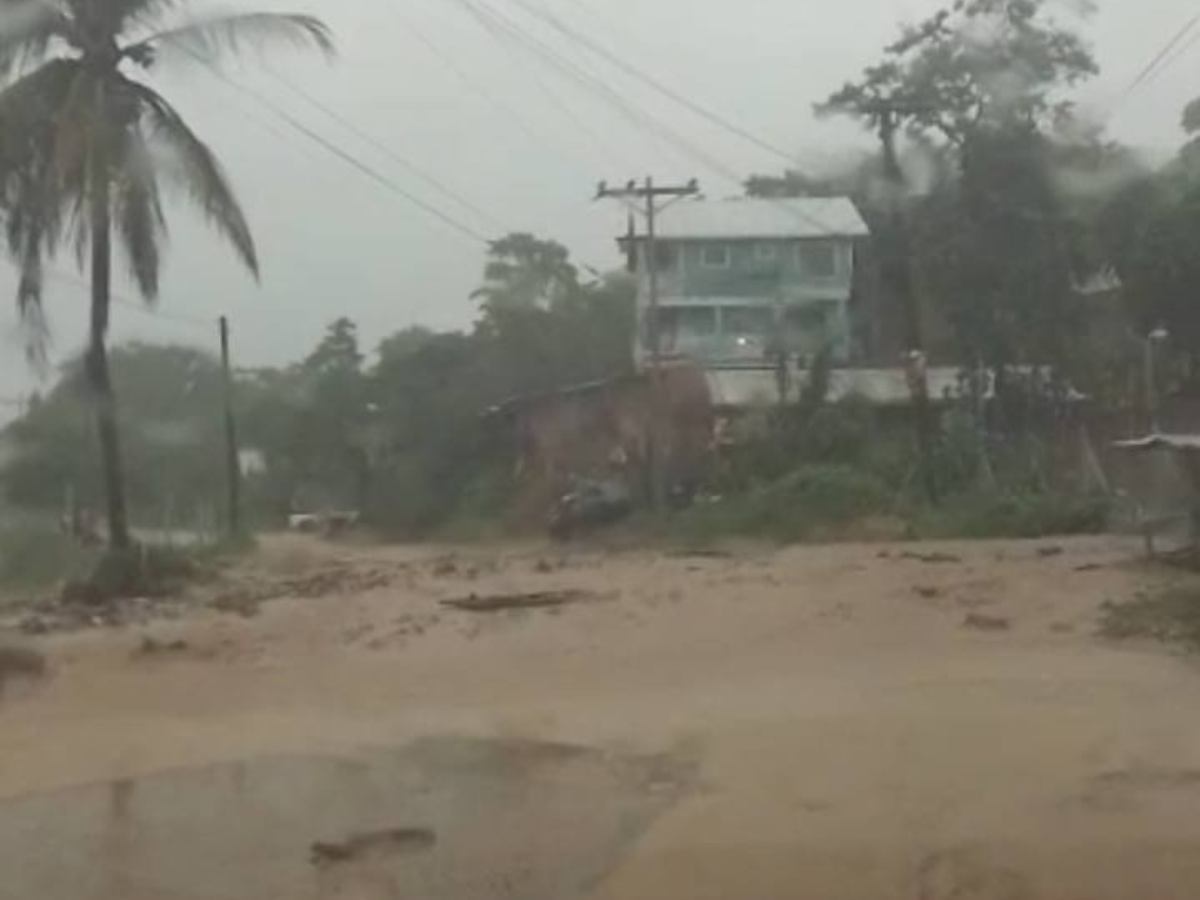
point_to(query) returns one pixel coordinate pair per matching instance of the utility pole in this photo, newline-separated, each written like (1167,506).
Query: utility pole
(897,272)
(647,196)
(232,464)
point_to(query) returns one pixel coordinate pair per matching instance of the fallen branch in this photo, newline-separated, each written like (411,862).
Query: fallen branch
(501,602)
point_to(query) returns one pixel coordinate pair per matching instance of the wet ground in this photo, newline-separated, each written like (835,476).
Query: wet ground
(448,818)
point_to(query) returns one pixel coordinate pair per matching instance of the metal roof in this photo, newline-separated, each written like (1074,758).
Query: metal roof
(749,217)
(1181,442)
(733,388)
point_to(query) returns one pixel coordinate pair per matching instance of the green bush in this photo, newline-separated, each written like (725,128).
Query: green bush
(837,434)
(791,508)
(981,516)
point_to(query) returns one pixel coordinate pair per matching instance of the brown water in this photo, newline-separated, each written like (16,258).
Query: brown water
(855,734)
(446,818)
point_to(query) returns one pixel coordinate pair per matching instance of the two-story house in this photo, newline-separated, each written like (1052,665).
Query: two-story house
(743,282)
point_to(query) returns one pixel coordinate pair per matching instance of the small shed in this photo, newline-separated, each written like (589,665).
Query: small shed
(1184,449)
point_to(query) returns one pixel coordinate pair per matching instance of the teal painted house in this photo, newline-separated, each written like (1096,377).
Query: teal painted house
(744,281)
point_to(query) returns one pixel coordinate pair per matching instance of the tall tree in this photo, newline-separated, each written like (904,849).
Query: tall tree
(85,147)
(1150,233)
(987,78)
(523,273)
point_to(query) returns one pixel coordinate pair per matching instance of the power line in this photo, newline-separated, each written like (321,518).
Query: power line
(501,28)
(179,318)
(1152,68)
(499,24)
(1179,53)
(481,90)
(641,75)
(387,150)
(340,153)
(592,83)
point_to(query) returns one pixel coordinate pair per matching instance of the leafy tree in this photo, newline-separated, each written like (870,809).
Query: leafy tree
(311,421)
(85,146)
(524,273)
(172,396)
(1150,233)
(994,245)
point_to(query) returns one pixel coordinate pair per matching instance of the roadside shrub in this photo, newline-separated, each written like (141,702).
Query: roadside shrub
(791,508)
(1014,516)
(837,434)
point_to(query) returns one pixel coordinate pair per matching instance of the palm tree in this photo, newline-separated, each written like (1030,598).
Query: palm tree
(85,148)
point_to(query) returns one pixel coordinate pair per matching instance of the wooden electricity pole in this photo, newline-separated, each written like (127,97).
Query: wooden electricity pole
(233,467)
(647,197)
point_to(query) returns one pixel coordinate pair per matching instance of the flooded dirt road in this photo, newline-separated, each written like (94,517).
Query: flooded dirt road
(858,722)
(460,818)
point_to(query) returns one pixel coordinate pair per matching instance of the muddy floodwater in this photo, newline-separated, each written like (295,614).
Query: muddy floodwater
(880,722)
(445,818)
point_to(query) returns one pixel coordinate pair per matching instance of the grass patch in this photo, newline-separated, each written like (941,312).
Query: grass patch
(37,557)
(1172,616)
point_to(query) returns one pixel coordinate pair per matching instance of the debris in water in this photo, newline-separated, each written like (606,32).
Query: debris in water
(444,567)
(393,840)
(238,602)
(931,558)
(986,623)
(700,553)
(20,663)
(534,600)
(151,647)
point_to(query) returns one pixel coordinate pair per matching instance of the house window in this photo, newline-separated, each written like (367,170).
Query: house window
(664,256)
(765,253)
(715,256)
(684,328)
(818,259)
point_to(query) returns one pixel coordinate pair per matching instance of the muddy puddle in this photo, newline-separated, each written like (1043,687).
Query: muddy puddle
(444,819)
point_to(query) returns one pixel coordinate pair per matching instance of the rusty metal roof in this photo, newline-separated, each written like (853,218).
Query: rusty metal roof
(744,218)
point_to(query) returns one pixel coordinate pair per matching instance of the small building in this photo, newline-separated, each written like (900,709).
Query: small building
(749,280)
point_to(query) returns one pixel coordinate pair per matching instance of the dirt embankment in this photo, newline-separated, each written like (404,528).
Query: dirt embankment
(849,722)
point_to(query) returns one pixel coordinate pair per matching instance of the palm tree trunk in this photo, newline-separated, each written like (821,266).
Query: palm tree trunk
(97,358)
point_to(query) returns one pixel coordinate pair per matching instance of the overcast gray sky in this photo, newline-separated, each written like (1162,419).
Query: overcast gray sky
(522,143)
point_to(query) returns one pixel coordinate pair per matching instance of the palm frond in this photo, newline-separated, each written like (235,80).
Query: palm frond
(30,189)
(210,39)
(27,30)
(197,170)
(119,16)
(35,328)
(138,214)
(33,99)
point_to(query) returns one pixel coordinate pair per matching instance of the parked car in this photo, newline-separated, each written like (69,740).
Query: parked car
(591,503)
